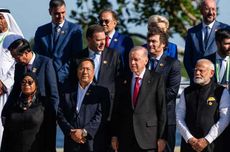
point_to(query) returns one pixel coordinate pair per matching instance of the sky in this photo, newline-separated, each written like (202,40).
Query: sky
(30,14)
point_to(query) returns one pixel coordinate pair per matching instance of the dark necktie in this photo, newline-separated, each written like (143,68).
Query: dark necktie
(28,67)
(136,91)
(57,30)
(206,35)
(107,41)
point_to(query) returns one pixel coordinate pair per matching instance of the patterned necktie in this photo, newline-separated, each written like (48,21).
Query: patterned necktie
(136,90)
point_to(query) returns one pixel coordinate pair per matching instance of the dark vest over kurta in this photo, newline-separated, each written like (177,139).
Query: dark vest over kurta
(202,112)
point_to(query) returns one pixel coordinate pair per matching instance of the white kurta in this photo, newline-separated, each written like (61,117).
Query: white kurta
(7,65)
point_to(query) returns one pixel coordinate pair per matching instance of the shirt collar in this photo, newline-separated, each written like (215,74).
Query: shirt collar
(81,88)
(141,75)
(32,59)
(111,34)
(218,57)
(61,25)
(91,52)
(210,25)
(158,57)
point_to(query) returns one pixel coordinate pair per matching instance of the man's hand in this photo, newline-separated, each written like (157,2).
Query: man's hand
(161,143)
(115,143)
(201,144)
(192,141)
(76,135)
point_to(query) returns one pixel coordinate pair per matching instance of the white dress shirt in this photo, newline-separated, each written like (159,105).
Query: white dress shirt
(80,95)
(216,129)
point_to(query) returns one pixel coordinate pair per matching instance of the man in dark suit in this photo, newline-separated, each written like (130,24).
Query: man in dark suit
(221,57)
(59,40)
(108,67)
(170,69)
(81,110)
(139,116)
(200,40)
(115,40)
(42,66)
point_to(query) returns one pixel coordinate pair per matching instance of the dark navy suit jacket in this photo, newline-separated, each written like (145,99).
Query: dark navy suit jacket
(170,69)
(67,46)
(122,44)
(194,46)
(89,117)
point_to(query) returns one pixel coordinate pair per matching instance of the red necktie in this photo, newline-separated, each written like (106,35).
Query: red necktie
(107,41)
(136,90)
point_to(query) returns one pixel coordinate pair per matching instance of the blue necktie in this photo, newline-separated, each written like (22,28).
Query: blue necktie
(206,35)
(57,30)
(96,59)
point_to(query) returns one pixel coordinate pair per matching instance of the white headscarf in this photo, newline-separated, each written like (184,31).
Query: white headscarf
(12,25)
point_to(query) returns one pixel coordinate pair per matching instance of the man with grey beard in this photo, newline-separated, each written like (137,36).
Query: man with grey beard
(203,111)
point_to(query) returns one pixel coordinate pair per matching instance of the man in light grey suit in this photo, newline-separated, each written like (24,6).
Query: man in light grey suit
(200,40)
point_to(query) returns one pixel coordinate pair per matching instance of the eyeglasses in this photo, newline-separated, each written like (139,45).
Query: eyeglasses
(29,82)
(102,21)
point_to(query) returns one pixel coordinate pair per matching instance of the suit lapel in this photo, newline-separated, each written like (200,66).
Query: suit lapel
(161,64)
(199,38)
(145,86)
(114,40)
(36,64)
(212,34)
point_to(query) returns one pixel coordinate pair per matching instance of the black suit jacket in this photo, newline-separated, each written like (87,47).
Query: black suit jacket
(170,69)
(89,117)
(110,69)
(148,119)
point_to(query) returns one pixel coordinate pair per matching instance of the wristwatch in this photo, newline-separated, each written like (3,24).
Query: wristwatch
(84,133)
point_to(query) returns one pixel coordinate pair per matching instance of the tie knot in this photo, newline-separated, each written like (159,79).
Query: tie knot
(137,78)
(57,28)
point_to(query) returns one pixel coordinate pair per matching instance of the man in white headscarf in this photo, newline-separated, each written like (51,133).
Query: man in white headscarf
(8,27)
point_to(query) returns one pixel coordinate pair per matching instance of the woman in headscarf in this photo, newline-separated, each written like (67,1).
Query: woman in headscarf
(8,27)
(23,126)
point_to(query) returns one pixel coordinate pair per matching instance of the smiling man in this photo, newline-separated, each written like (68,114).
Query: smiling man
(59,40)
(200,40)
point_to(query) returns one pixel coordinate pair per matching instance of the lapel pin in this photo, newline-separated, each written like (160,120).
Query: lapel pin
(125,81)
(34,70)
(115,40)
(161,64)
(105,62)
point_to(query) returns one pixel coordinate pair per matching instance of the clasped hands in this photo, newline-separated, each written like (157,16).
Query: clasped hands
(77,136)
(198,144)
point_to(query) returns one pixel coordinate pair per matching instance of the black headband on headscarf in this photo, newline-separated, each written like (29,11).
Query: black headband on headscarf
(4,10)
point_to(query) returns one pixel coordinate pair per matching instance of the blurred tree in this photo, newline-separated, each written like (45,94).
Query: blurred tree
(181,13)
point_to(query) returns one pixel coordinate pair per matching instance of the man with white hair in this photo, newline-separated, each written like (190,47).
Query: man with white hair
(203,111)
(8,26)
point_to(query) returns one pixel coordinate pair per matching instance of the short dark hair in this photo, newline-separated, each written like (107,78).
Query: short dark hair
(86,59)
(93,29)
(114,14)
(157,31)
(56,3)
(221,34)
(20,46)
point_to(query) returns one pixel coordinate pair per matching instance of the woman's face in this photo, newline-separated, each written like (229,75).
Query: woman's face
(28,86)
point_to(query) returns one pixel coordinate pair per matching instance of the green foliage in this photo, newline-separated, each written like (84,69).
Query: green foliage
(181,13)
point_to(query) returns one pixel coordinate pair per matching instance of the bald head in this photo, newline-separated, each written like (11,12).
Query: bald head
(208,11)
